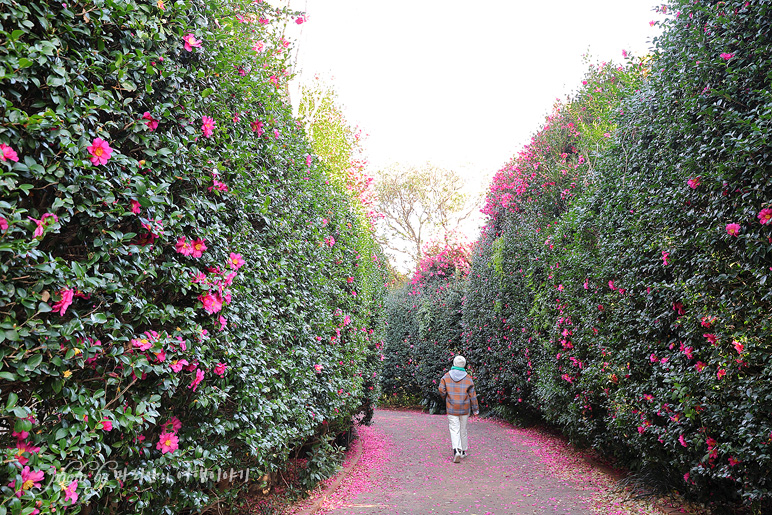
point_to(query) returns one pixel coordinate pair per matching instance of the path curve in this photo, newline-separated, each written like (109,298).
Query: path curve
(406,468)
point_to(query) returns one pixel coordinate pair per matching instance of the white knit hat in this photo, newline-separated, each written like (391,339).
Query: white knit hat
(459,361)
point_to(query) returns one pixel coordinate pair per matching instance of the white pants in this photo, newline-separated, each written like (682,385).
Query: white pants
(458,434)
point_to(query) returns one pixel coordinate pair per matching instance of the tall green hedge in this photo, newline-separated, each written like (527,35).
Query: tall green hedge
(620,289)
(186,301)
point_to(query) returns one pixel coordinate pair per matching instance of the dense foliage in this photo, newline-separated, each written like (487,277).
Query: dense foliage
(187,300)
(620,289)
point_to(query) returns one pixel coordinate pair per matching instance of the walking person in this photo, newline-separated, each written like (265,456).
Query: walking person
(457,388)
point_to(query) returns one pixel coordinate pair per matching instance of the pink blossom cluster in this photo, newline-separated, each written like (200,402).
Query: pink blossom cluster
(443,259)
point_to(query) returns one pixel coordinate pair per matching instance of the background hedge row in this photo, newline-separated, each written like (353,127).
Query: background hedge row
(620,287)
(186,297)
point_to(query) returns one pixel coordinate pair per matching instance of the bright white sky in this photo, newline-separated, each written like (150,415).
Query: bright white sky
(462,84)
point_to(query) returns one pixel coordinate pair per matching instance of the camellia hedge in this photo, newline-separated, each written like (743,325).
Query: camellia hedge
(620,289)
(187,301)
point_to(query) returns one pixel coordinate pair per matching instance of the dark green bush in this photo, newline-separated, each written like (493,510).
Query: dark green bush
(112,325)
(627,300)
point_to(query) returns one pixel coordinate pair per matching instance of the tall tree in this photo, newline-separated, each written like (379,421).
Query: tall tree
(415,204)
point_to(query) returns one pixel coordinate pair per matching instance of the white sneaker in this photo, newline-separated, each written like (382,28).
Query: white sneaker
(457,457)
(463,454)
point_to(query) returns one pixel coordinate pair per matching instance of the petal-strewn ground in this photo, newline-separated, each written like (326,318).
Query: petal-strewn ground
(404,467)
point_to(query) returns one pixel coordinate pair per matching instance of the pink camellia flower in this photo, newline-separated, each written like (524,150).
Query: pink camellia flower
(172,424)
(257,126)
(664,257)
(682,440)
(349,280)
(135,207)
(300,19)
(276,134)
(198,248)
(726,56)
(611,285)
(25,447)
(330,241)
(41,224)
(207,127)
(309,159)
(733,461)
(67,294)
(177,365)
(700,366)
(183,247)
(259,46)
(318,368)
(105,425)
(346,320)
(739,347)
(29,480)
(693,183)
(151,122)
(191,42)
(161,356)
(167,442)
(235,261)
(273,79)
(236,117)
(3,224)
(220,369)
(721,373)
(223,323)
(210,303)
(197,380)
(100,151)
(712,338)
(733,229)
(7,153)
(653,358)
(69,492)
(764,216)
(142,344)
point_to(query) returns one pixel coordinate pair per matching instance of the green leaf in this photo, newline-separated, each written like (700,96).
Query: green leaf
(34,361)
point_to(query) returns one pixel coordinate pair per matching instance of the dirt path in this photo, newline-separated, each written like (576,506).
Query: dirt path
(405,467)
